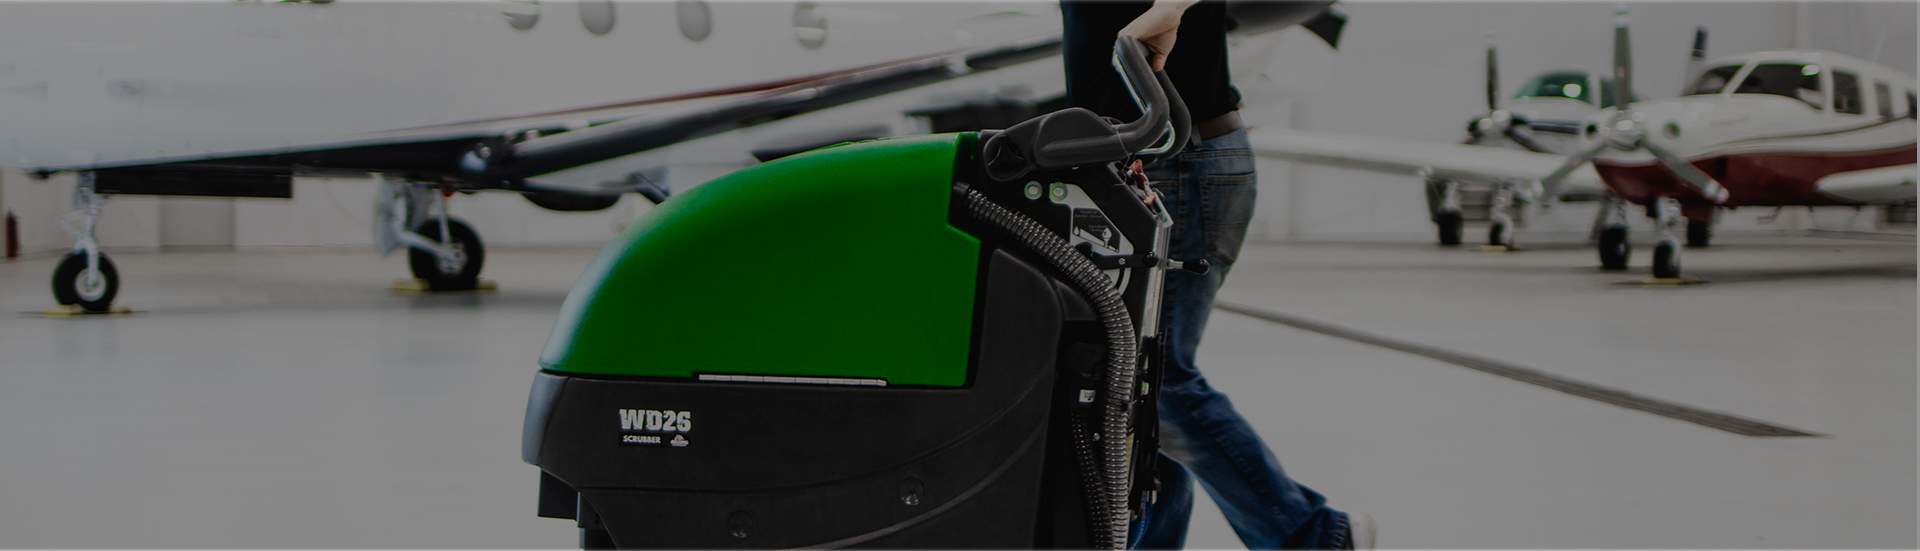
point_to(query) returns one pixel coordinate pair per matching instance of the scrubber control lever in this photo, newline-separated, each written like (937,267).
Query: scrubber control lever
(1198,266)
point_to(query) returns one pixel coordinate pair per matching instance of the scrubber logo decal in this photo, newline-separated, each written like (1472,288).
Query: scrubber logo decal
(644,427)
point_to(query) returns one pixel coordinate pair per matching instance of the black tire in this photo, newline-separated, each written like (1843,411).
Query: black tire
(1493,235)
(1666,260)
(1699,233)
(1614,248)
(70,289)
(1449,224)
(426,266)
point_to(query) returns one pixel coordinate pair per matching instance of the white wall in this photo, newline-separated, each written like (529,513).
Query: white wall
(1414,70)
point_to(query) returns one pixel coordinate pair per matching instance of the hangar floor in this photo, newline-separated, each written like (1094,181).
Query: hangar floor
(288,399)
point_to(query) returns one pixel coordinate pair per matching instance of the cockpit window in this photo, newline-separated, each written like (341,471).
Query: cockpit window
(1713,80)
(1794,80)
(1883,96)
(1557,85)
(1846,94)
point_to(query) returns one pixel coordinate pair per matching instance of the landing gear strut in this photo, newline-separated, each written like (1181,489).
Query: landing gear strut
(1612,234)
(86,277)
(1500,234)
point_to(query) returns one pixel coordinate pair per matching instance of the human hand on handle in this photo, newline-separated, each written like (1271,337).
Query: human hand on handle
(1157,29)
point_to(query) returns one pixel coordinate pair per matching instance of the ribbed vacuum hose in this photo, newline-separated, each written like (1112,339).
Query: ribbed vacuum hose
(1122,358)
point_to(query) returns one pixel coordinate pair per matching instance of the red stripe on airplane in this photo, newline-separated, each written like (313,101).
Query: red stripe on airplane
(1753,179)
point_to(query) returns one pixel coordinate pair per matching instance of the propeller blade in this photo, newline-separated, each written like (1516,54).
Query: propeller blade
(1697,57)
(1520,135)
(1622,58)
(1550,185)
(1493,76)
(1708,188)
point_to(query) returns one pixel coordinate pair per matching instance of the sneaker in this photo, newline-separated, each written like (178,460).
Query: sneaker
(1362,527)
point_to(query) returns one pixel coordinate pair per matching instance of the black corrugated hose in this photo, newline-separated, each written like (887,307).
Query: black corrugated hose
(1122,361)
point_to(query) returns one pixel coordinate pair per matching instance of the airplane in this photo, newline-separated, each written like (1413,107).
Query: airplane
(1772,128)
(552,101)
(1544,116)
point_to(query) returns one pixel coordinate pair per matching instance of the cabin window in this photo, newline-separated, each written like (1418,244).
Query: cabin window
(1557,85)
(695,18)
(521,15)
(597,16)
(1712,81)
(809,25)
(1884,96)
(1846,94)
(1911,113)
(1794,80)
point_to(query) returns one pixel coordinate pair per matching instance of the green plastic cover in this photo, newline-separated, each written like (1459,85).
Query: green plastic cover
(834,263)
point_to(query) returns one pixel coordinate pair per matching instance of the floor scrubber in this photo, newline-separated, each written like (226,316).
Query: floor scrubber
(936,341)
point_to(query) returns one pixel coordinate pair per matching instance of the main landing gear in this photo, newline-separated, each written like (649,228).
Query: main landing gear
(1507,209)
(443,252)
(1699,233)
(1614,247)
(86,278)
(1501,210)
(1443,205)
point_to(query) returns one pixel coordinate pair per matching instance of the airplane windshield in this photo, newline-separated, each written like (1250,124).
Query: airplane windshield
(1557,85)
(1794,80)
(1713,80)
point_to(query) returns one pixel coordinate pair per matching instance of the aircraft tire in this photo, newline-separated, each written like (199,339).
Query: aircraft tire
(1699,234)
(1666,260)
(427,266)
(1614,248)
(1449,224)
(70,285)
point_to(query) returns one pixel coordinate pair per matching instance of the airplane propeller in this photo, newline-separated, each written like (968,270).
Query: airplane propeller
(1501,121)
(1625,131)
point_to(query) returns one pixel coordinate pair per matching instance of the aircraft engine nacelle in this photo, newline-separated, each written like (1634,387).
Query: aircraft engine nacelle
(570,202)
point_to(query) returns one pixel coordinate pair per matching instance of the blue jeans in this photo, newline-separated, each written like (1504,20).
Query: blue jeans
(1209,190)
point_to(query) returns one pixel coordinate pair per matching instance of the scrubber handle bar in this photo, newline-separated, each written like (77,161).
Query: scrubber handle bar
(1144,134)
(1077,137)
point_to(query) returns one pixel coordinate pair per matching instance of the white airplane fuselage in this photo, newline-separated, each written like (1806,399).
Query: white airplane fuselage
(1768,149)
(93,83)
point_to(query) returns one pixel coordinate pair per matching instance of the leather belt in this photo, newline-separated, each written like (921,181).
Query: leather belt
(1218,126)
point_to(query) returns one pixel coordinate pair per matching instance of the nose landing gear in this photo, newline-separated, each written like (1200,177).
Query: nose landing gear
(1666,255)
(86,278)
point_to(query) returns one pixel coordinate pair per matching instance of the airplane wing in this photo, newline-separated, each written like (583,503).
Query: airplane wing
(1412,156)
(1875,185)
(544,142)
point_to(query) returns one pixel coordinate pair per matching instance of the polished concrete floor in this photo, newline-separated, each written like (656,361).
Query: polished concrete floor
(288,399)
